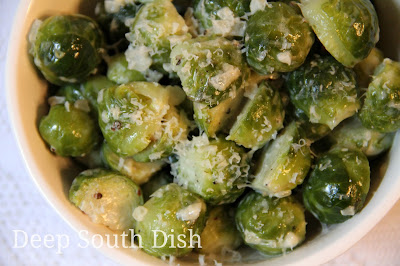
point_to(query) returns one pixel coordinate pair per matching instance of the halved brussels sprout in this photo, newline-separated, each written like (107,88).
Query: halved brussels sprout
(353,135)
(130,115)
(107,197)
(211,69)
(277,39)
(366,68)
(271,225)
(381,110)
(222,17)
(283,165)
(260,120)
(338,185)
(324,90)
(119,72)
(211,120)
(175,128)
(69,131)
(157,181)
(91,89)
(348,29)
(214,169)
(157,27)
(140,173)
(171,211)
(66,49)
(220,233)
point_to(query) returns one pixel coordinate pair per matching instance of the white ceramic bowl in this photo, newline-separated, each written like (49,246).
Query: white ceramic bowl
(53,175)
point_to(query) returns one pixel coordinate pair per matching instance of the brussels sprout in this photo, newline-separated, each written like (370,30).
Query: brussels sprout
(156,28)
(119,72)
(157,181)
(94,159)
(338,185)
(283,165)
(130,115)
(107,197)
(113,18)
(174,130)
(171,211)
(211,69)
(214,119)
(69,131)
(353,135)
(214,169)
(381,110)
(260,119)
(271,225)
(66,49)
(91,89)
(140,173)
(366,68)
(277,39)
(324,90)
(222,17)
(220,233)
(348,29)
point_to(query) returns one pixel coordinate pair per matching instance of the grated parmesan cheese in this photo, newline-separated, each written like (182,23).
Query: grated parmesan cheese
(139,213)
(349,211)
(190,213)
(222,81)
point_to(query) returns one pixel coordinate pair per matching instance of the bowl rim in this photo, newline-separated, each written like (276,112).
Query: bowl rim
(369,217)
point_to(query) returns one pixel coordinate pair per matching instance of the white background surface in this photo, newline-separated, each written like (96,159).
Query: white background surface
(23,208)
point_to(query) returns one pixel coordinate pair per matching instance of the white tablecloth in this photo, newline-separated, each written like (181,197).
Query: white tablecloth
(23,208)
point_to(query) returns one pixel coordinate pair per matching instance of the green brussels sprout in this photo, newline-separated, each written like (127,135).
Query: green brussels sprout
(260,120)
(69,131)
(157,181)
(107,197)
(94,159)
(283,164)
(66,49)
(381,110)
(277,39)
(119,72)
(324,90)
(157,27)
(366,68)
(130,115)
(214,119)
(222,17)
(271,225)
(348,29)
(112,18)
(175,128)
(214,169)
(338,185)
(172,211)
(220,233)
(211,69)
(140,173)
(353,135)
(91,90)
